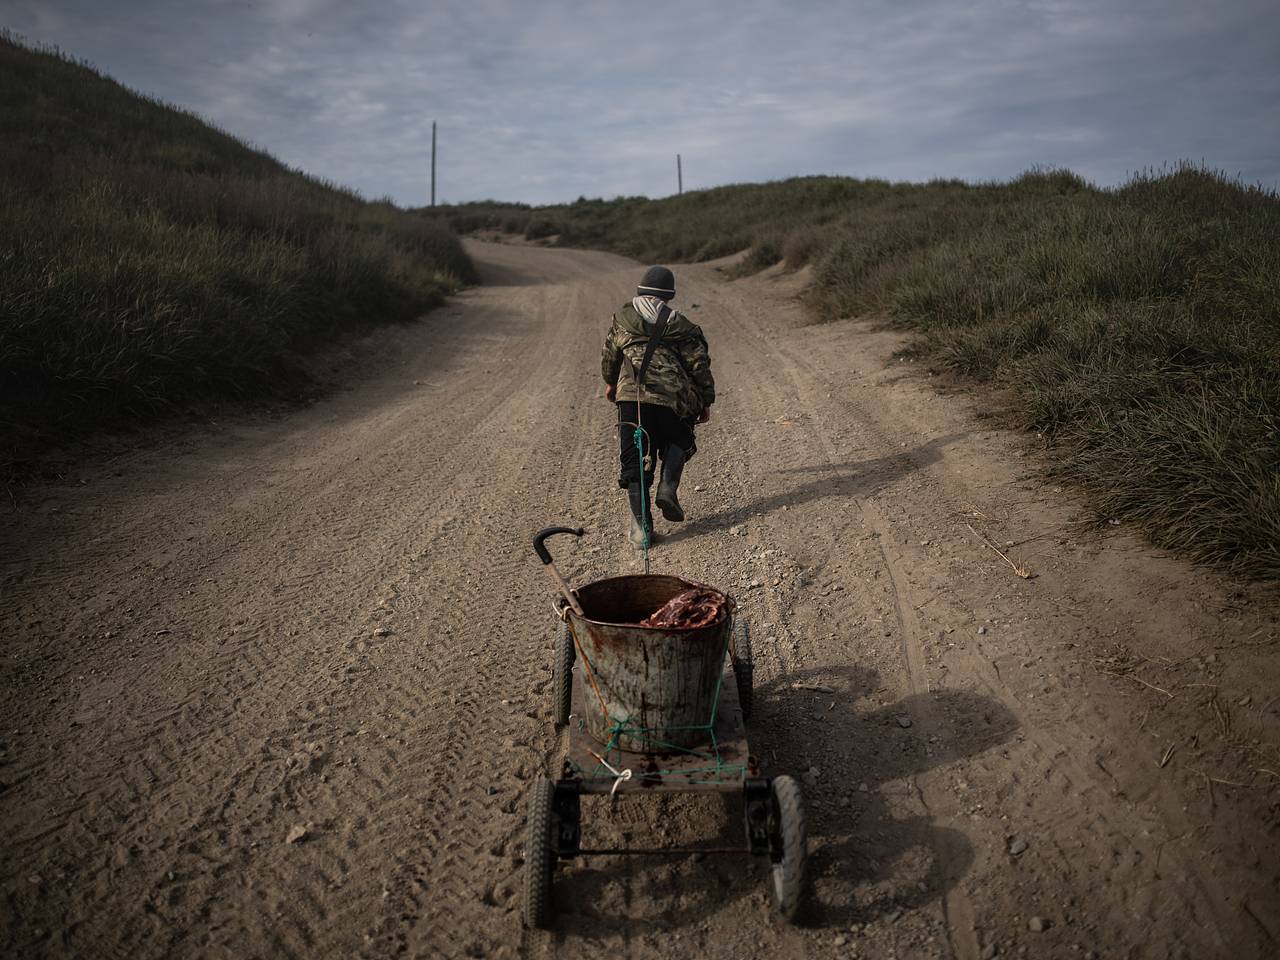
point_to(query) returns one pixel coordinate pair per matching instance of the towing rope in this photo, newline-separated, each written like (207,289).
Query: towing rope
(638,437)
(645,522)
(713,772)
(620,775)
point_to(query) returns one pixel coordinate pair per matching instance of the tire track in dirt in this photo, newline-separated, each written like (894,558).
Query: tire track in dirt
(780,365)
(344,535)
(250,658)
(958,913)
(1045,751)
(468,756)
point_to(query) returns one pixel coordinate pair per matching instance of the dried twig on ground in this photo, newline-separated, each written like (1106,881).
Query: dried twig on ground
(1225,783)
(1224,718)
(1020,570)
(1129,676)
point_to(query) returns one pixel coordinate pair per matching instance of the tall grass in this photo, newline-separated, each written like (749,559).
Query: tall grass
(1140,326)
(150,262)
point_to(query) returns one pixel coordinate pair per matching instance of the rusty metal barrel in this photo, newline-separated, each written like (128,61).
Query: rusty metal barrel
(658,685)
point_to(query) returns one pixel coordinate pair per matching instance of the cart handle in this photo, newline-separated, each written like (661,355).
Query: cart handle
(540,548)
(544,555)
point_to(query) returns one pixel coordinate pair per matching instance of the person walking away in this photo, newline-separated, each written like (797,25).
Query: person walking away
(674,392)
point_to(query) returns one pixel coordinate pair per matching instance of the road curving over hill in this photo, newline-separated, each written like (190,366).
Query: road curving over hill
(278,687)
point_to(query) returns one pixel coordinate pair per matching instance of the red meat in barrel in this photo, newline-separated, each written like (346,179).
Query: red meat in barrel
(695,607)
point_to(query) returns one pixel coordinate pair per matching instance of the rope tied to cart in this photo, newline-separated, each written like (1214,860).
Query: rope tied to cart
(639,437)
(645,522)
(696,606)
(619,728)
(619,775)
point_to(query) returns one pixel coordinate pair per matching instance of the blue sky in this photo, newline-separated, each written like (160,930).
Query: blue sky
(546,101)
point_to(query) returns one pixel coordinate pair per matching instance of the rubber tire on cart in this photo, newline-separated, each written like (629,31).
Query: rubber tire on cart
(789,831)
(562,675)
(539,857)
(744,665)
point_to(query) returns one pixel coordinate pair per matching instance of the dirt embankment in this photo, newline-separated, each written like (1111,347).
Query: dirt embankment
(279,688)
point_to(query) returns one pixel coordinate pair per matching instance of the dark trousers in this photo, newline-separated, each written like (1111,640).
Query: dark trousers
(662,429)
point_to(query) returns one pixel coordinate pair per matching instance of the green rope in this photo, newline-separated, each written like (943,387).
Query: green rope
(716,766)
(645,522)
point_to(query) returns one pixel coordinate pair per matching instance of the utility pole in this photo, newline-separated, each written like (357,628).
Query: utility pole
(433,163)
(679,177)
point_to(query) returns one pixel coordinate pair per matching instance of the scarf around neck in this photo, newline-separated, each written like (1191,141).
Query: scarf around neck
(648,308)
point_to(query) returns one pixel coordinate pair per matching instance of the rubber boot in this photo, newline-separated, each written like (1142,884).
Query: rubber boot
(669,485)
(637,494)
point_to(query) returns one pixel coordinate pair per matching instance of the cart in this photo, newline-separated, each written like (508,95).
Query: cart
(666,744)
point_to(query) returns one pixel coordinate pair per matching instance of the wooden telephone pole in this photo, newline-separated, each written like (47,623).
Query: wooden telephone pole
(433,163)
(679,177)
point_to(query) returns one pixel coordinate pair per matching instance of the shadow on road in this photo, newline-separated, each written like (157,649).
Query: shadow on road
(865,859)
(854,478)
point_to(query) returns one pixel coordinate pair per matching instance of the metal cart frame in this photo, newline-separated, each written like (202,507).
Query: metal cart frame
(773,807)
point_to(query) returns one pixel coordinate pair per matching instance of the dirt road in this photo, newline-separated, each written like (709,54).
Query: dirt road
(278,688)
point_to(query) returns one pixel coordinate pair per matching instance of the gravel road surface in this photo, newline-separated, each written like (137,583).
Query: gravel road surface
(278,686)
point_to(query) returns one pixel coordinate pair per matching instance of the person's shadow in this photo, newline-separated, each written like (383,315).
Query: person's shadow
(855,478)
(856,841)
(863,860)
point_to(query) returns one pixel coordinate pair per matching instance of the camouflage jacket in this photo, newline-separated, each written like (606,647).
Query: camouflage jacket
(679,374)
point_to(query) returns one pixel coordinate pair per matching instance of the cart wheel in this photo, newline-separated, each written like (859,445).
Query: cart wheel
(562,681)
(539,857)
(743,665)
(789,834)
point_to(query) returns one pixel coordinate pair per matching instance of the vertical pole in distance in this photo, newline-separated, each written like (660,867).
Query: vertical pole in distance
(679,177)
(433,163)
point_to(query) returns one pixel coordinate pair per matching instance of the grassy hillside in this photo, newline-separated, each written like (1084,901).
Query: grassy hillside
(149,261)
(1139,326)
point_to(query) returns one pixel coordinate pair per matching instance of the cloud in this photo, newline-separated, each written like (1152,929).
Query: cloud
(544,102)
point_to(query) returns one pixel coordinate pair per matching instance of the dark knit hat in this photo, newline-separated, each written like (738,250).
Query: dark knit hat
(657,282)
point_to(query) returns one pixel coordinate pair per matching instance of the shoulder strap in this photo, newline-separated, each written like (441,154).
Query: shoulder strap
(659,328)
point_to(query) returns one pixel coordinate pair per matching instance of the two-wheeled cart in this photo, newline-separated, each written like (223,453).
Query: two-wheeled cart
(653,710)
